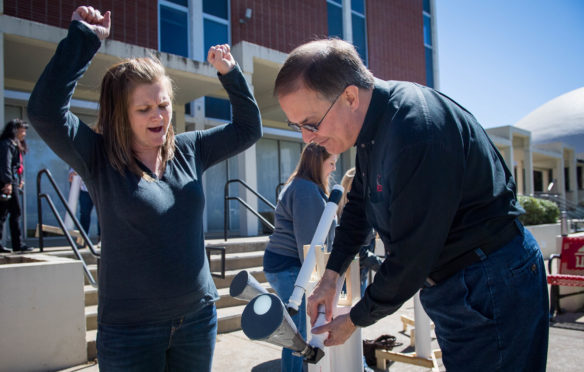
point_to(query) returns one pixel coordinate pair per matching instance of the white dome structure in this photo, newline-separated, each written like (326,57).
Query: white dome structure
(559,120)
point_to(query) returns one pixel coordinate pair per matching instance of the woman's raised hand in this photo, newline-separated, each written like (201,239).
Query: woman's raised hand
(92,18)
(220,57)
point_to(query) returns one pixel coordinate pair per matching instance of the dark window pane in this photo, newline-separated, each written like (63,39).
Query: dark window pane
(217,108)
(184,3)
(335,20)
(537,181)
(338,2)
(174,31)
(215,33)
(218,8)
(429,68)
(427,31)
(427,6)
(359,37)
(567,179)
(358,6)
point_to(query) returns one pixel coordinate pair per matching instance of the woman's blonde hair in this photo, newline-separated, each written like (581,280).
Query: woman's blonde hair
(310,166)
(113,121)
(346,182)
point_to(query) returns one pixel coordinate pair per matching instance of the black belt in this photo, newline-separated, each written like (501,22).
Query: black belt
(503,237)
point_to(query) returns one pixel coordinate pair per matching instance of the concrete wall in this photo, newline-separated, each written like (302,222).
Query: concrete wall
(42,318)
(546,235)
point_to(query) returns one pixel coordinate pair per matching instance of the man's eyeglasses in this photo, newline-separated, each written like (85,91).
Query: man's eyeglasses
(313,127)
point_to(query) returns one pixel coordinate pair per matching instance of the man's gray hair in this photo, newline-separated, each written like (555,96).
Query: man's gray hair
(326,66)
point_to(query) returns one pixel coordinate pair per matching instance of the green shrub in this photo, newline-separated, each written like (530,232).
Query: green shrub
(538,211)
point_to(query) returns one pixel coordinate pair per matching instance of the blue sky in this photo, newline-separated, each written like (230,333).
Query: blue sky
(502,59)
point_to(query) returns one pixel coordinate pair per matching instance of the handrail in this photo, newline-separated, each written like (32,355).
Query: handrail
(227,198)
(573,209)
(62,223)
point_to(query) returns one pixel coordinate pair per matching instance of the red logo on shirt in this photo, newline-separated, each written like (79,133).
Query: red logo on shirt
(379,186)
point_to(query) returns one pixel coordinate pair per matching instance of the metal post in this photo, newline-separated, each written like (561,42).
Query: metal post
(564,223)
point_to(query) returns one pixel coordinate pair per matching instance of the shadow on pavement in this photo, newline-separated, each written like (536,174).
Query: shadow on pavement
(269,366)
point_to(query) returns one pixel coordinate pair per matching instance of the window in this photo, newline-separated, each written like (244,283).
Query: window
(357,27)
(216,31)
(335,18)
(359,30)
(428,44)
(174,27)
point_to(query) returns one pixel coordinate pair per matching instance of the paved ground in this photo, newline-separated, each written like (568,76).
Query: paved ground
(235,352)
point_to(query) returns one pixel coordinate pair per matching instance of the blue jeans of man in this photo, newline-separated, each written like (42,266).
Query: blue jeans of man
(493,315)
(183,344)
(283,283)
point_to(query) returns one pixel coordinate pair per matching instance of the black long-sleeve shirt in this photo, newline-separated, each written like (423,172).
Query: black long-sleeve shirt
(430,182)
(153,263)
(9,162)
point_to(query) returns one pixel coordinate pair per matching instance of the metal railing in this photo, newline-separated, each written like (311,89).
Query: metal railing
(573,210)
(227,198)
(87,241)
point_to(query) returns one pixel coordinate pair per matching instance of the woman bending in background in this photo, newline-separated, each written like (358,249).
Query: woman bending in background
(300,205)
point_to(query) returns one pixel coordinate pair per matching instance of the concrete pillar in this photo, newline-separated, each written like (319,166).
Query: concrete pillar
(573,181)
(558,174)
(528,165)
(347,22)
(179,118)
(508,157)
(247,160)
(197,40)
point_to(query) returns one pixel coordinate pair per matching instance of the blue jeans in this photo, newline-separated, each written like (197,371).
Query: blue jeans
(283,283)
(493,315)
(85,208)
(183,344)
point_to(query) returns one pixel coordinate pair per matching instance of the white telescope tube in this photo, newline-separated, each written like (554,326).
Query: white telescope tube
(318,340)
(327,217)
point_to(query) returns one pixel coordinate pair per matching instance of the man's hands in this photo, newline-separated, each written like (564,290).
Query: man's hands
(340,328)
(92,18)
(324,293)
(220,57)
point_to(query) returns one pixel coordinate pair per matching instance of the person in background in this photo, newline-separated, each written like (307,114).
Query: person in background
(439,194)
(367,259)
(12,149)
(298,211)
(156,307)
(85,205)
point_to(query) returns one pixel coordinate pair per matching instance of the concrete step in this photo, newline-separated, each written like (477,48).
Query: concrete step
(90,295)
(229,319)
(67,252)
(93,270)
(226,300)
(239,245)
(91,317)
(257,272)
(90,339)
(239,260)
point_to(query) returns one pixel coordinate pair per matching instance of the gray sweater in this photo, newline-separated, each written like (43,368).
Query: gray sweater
(153,263)
(297,214)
